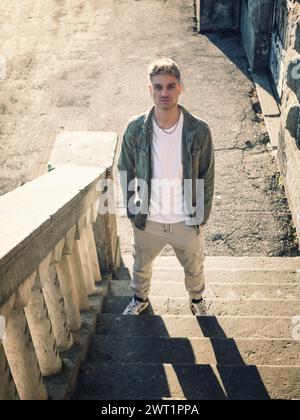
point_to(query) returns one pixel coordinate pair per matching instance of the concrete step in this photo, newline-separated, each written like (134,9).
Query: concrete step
(257,276)
(202,351)
(228,263)
(190,381)
(216,307)
(189,326)
(245,348)
(214,290)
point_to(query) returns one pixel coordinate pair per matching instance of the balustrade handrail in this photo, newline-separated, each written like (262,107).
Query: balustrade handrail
(57,200)
(49,266)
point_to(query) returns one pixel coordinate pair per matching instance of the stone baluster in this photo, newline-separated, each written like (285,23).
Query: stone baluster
(85,260)
(72,254)
(8,390)
(100,235)
(107,212)
(68,286)
(105,229)
(55,301)
(112,175)
(91,217)
(20,351)
(41,330)
(113,243)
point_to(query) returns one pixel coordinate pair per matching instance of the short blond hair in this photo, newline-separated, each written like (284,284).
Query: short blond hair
(164,66)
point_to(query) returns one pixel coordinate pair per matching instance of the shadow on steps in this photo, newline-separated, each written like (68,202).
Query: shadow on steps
(156,375)
(238,384)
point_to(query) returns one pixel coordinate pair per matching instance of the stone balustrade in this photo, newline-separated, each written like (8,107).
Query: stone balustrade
(50,232)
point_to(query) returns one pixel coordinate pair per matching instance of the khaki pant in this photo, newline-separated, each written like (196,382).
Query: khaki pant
(188,247)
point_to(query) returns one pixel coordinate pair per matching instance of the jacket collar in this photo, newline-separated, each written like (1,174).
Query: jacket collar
(189,121)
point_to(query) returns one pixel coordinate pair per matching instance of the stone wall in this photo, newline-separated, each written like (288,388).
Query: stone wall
(271,34)
(289,143)
(256,25)
(218,14)
(275,50)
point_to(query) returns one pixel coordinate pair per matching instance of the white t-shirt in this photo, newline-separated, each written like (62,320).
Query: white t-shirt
(166,204)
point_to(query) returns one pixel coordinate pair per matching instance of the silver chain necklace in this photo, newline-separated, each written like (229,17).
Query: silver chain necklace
(164,129)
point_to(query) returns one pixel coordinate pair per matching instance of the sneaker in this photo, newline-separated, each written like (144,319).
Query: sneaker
(136,306)
(198,307)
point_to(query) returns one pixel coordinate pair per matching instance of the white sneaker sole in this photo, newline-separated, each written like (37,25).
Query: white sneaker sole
(142,309)
(196,314)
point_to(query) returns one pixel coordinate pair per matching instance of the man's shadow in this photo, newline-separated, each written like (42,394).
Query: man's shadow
(240,381)
(230,378)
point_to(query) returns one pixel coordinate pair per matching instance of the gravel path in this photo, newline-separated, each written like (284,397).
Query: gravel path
(81,65)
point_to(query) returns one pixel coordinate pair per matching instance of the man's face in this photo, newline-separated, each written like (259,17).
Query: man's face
(165,91)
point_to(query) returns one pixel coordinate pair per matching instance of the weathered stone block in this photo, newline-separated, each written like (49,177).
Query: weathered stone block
(256,20)
(85,148)
(293,75)
(292,121)
(219,14)
(297,38)
(289,165)
(290,113)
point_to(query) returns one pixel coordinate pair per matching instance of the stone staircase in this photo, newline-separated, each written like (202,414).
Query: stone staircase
(247,348)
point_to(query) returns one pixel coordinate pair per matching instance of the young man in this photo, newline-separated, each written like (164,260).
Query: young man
(164,154)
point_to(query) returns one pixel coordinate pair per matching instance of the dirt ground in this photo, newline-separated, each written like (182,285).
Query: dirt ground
(82,65)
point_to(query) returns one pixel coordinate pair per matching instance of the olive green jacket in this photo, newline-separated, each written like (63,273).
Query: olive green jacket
(197,160)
